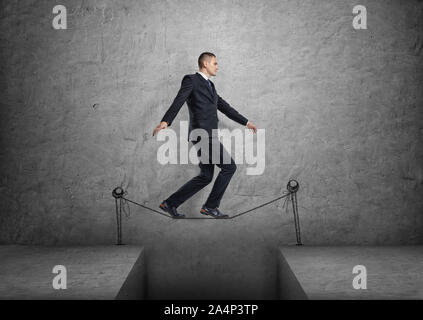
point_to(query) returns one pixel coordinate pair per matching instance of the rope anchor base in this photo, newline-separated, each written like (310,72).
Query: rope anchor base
(291,194)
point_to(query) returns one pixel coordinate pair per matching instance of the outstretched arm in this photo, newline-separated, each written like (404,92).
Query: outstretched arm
(183,94)
(181,97)
(234,115)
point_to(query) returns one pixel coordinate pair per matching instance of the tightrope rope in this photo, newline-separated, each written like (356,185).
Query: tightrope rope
(264,204)
(237,215)
(292,187)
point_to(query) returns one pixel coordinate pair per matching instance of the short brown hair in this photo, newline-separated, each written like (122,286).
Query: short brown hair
(204,56)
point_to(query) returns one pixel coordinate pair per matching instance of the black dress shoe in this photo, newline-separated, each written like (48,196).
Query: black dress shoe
(171,210)
(215,213)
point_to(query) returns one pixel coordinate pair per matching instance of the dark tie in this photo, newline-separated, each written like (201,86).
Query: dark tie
(208,81)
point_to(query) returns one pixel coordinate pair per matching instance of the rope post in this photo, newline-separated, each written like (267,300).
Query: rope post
(118,194)
(293,187)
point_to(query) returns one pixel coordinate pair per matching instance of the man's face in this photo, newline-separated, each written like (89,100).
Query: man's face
(211,66)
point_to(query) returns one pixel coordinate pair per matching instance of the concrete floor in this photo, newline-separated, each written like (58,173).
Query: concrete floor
(119,272)
(94,272)
(393,272)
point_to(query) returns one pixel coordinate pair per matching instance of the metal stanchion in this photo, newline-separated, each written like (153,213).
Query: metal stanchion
(118,194)
(293,187)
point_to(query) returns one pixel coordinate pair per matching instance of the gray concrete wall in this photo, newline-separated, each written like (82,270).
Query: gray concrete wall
(342,109)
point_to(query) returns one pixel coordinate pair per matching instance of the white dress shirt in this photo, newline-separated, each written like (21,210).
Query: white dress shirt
(204,76)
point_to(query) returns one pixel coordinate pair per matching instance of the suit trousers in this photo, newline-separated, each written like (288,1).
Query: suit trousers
(227,166)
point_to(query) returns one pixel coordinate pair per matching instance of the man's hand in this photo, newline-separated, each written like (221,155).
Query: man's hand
(251,126)
(162,125)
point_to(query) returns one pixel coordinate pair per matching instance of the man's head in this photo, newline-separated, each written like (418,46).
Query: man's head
(207,64)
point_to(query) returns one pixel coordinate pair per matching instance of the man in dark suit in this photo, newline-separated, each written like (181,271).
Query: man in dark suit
(203,102)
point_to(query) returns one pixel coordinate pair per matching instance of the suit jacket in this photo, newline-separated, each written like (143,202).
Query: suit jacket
(203,103)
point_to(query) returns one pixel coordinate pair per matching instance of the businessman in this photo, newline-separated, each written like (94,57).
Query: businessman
(203,102)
